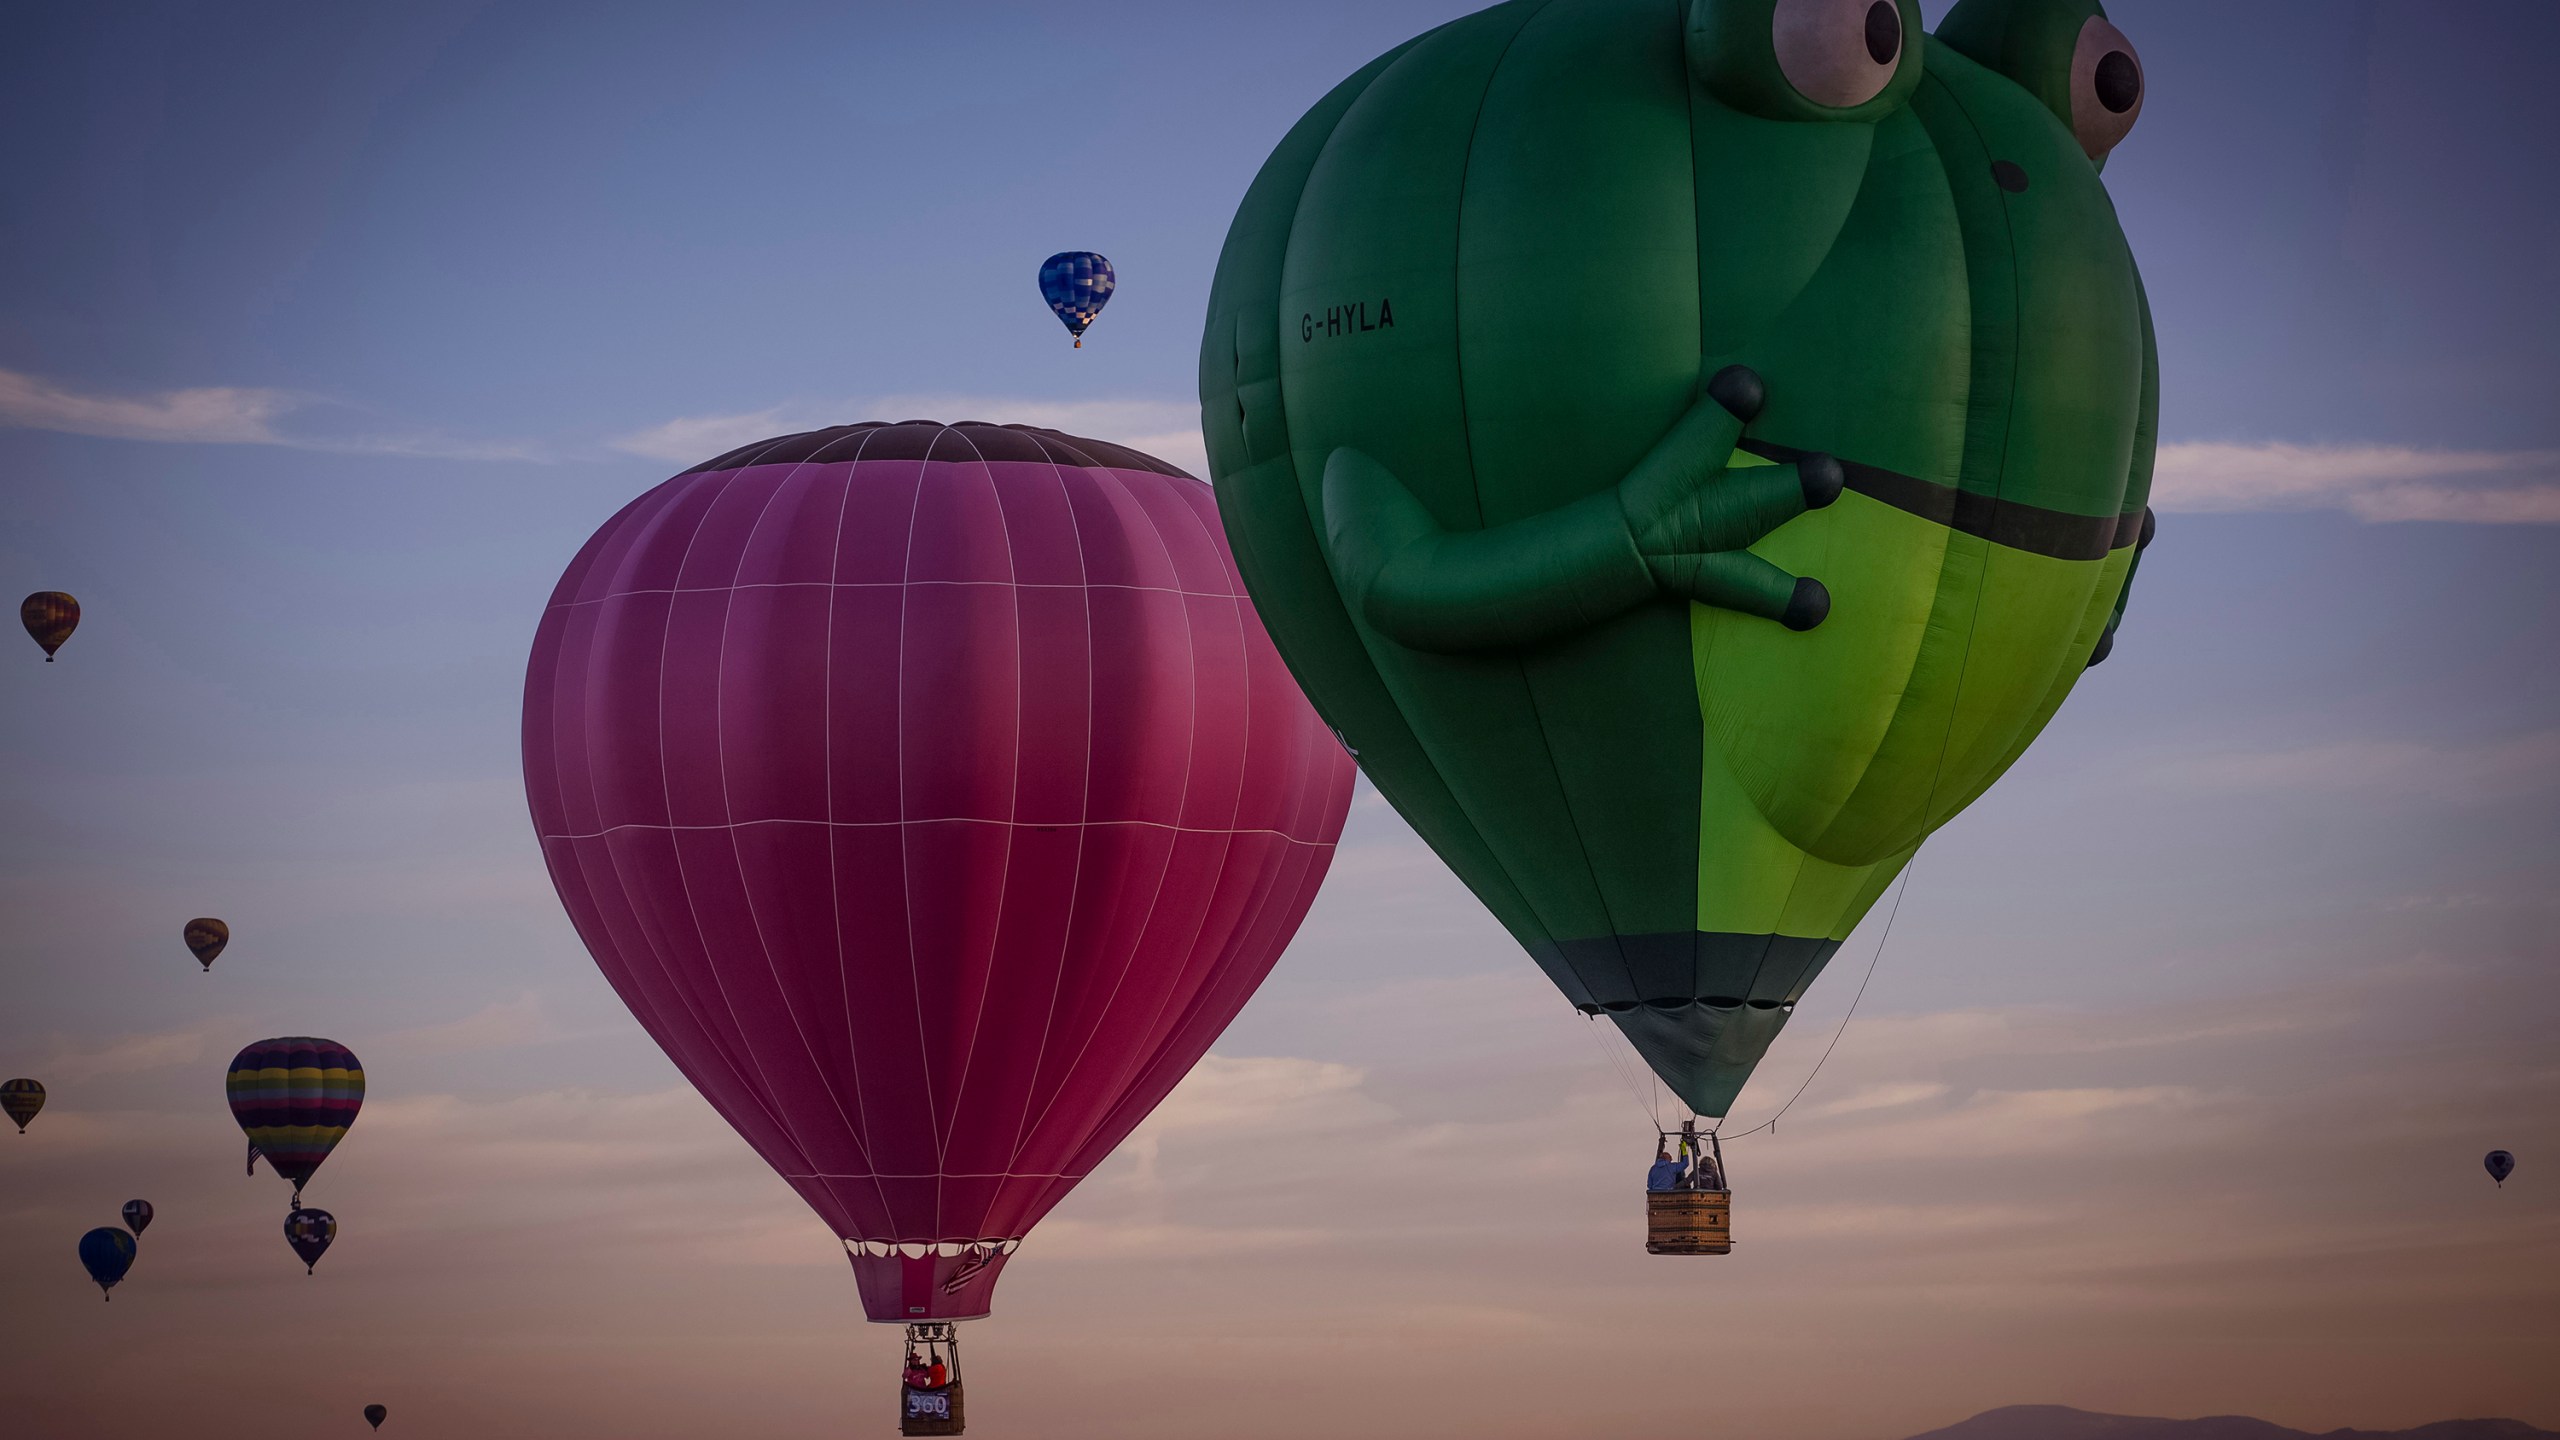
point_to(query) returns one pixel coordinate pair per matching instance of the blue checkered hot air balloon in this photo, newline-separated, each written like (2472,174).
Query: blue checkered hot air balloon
(1077,284)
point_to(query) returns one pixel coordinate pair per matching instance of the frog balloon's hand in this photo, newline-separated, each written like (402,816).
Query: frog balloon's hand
(1679,524)
(1692,516)
(2107,638)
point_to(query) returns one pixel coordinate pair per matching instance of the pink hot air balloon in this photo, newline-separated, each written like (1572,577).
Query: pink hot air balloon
(934,798)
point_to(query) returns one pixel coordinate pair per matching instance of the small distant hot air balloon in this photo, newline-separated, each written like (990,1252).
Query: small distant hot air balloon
(206,936)
(108,1252)
(309,1233)
(1076,283)
(20,1099)
(50,616)
(137,1215)
(2500,1165)
(295,1098)
(374,1415)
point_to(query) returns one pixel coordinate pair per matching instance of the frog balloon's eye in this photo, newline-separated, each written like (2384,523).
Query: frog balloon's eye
(2106,87)
(1837,53)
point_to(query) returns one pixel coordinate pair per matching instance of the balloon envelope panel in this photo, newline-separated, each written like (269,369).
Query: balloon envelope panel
(933,797)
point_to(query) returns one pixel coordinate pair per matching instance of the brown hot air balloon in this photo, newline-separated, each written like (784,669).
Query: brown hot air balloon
(50,616)
(206,936)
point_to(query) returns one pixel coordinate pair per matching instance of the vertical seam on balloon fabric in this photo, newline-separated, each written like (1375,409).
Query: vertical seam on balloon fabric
(743,1059)
(1164,1037)
(1012,831)
(1964,659)
(1466,436)
(906,880)
(594,799)
(1084,836)
(1458,251)
(1315,521)
(729,817)
(1160,1037)
(2008,420)
(1156,896)
(1136,1073)
(1244,650)
(835,891)
(1951,538)
(746,1047)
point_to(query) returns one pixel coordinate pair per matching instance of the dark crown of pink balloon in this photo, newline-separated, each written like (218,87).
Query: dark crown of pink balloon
(963,441)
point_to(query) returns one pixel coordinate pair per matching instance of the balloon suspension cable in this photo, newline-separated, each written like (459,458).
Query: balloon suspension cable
(1617,1066)
(1872,961)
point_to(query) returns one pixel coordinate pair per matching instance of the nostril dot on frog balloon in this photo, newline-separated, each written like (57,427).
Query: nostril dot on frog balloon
(2009,176)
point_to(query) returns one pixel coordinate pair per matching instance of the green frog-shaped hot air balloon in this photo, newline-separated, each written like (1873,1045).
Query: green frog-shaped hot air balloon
(1688,449)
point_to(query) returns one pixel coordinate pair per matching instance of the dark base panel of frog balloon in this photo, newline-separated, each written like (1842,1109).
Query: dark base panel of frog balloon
(1677,568)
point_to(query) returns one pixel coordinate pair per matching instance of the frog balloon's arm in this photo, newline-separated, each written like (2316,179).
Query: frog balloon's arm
(1677,524)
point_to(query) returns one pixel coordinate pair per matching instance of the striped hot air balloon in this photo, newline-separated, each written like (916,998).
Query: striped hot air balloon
(20,1099)
(295,1097)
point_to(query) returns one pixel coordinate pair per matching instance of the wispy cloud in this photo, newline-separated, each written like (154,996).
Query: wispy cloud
(213,415)
(2488,769)
(692,439)
(501,1025)
(228,415)
(127,1055)
(1166,429)
(1888,1096)
(2370,482)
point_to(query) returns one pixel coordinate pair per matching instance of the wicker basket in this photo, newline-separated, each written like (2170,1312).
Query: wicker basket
(1688,1222)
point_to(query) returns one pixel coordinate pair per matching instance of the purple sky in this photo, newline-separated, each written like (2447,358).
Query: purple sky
(328,332)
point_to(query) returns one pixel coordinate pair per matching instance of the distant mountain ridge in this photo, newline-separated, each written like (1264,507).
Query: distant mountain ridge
(2061,1422)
